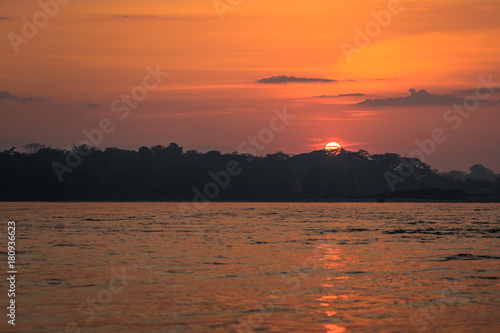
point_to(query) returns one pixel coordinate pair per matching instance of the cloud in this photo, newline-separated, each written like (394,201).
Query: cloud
(3,18)
(341,95)
(134,16)
(484,7)
(162,17)
(8,96)
(92,105)
(420,97)
(481,91)
(287,79)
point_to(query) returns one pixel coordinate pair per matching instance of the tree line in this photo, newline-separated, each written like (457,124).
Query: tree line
(169,173)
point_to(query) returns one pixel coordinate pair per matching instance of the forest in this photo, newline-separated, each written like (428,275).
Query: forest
(167,173)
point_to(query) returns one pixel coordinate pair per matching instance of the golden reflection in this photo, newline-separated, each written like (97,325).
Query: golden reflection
(331,256)
(334,328)
(331,259)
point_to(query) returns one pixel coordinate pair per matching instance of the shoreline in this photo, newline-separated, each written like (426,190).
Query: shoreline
(389,200)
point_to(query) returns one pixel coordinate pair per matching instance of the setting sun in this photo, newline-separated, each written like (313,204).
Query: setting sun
(333,147)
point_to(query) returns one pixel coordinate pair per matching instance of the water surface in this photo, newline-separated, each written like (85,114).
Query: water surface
(263,267)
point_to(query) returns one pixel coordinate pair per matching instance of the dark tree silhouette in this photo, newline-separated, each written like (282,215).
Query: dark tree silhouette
(169,173)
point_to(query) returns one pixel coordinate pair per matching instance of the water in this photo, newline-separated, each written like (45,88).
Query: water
(263,267)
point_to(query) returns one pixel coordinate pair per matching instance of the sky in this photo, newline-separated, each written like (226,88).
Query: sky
(383,76)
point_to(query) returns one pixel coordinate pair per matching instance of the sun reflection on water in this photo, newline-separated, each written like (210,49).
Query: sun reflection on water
(331,259)
(330,328)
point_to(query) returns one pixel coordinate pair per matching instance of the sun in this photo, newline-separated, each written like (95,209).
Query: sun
(333,147)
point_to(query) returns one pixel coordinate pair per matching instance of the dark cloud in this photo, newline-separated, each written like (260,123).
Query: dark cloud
(163,17)
(481,91)
(8,96)
(134,16)
(92,105)
(341,95)
(287,79)
(3,18)
(420,97)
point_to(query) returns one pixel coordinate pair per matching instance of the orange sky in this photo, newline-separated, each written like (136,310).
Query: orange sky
(94,51)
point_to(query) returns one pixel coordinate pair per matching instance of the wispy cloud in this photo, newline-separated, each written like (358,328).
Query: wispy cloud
(341,95)
(3,18)
(481,91)
(134,16)
(92,105)
(290,79)
(420,97)
(5,95)
(484,7)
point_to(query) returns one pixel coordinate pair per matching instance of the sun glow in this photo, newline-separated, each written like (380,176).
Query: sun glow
(333,147)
